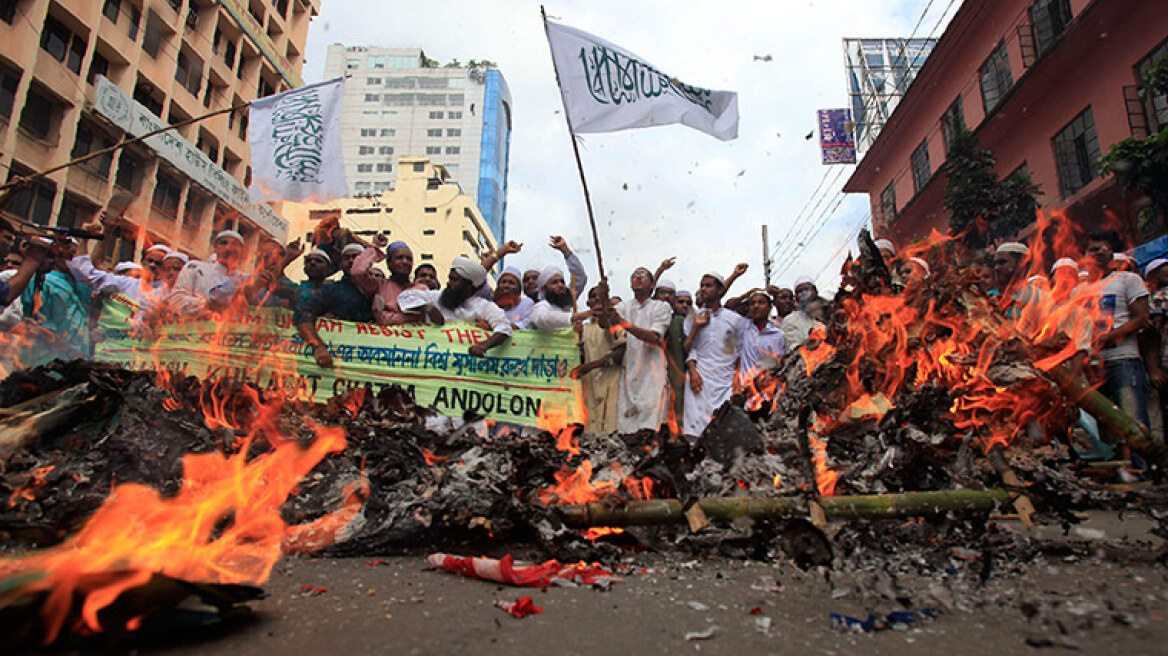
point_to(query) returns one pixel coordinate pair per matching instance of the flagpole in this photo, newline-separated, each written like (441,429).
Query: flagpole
(576,152)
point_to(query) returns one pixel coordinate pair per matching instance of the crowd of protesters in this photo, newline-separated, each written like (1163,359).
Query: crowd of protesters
(664,356)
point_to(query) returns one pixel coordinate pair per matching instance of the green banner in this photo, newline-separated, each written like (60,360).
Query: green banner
(515,383)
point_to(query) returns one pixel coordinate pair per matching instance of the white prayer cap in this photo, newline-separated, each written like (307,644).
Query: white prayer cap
(175,255)
(547,273)
(715,276)
(683,293)
(123,267)
(163,248)
(922,264)
(886,245)
(666,283)
(229,233)
(1067,263)
(320,252)
(801,280)
(1154,264)
(471,270)
(353,248)
(1013,247)
(1122,257)
(512,271)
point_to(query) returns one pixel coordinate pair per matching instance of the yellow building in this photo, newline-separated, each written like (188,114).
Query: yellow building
(426,210)
(165,61)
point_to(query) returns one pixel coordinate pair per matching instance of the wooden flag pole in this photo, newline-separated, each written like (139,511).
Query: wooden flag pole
(576,152)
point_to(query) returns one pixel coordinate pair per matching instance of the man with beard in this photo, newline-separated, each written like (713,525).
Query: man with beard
(798,324)
(603,345)
(203,287)
(712,347)
(509,296)
(644,386)
(427,276)
(340,299)
(555,311)
(459,303)
(385,292)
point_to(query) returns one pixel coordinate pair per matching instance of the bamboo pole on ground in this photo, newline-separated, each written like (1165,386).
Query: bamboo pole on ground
(844,507)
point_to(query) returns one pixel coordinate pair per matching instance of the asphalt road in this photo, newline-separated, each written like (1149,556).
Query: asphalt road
(1095,604)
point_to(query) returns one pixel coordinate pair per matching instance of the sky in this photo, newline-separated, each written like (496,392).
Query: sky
(667,191)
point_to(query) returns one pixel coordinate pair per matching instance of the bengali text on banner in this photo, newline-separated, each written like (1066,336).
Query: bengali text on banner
(514,383)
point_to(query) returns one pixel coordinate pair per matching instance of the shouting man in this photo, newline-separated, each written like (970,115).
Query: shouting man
(459,303)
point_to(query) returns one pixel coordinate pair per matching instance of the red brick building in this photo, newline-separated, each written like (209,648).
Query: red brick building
(1047,85)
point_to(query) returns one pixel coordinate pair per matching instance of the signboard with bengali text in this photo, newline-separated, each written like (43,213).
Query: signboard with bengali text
(514,383)
(836,140)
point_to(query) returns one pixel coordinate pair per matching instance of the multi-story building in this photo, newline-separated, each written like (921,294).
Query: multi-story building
(426,209)
(75,73)
(398,102)
(1046,85)
(879,73)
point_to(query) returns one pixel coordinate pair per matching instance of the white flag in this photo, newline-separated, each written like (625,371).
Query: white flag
(295,140)
(607,88)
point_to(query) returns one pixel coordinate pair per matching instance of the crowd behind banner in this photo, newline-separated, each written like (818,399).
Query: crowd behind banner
(665,356)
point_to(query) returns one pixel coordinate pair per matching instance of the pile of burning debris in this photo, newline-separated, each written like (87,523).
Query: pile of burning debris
(914,402)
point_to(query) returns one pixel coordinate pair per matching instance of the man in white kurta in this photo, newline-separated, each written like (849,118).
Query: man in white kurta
(714,342)
(644,384)
(459,303)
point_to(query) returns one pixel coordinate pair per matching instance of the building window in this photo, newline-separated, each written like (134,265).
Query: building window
(32,202)
(383,186)
(453,150)
(453,114)
(89,140)
(431,210)
(365,150)
(75,212)
(995,77)
(427,257)
(920,166)
(62,44)
(368,132)
(428,233)
(353,64)
(110,10)
(373,97)
(1156,107)
(888,202)
(434,133)
(41,114)
(264,88)
(433,150)
(385,150)
(370,81)
(384,167)
(8,10)
(387,115)
(99,66)
(419,167)
(167,192)
(362,186)
(369,115)
(364,168)
(952,122)
(155,31)
(188,72)
(130,168)
(1076,153)
(388,132)
(375,61)
(434,115)
(135,22)
(9,81)
(454,132)
(1049,18)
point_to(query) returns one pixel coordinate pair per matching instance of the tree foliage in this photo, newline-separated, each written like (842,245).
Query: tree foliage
(981,206)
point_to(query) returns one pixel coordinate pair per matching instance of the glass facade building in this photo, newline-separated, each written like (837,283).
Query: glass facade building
(879,72)
(494,154)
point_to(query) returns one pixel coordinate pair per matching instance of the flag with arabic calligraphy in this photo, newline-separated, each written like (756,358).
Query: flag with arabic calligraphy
(295,140)
(607,88)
